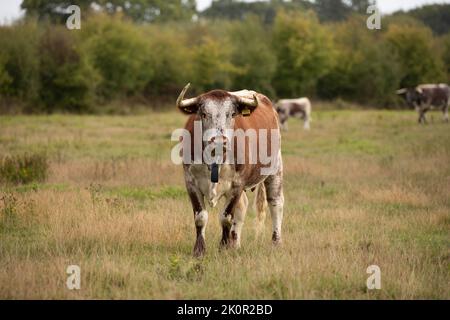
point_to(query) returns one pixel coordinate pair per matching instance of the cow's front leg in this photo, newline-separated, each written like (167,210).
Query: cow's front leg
(200,218)
(445,111)
(306,125)
(234,206)
(422,119)
(238,220)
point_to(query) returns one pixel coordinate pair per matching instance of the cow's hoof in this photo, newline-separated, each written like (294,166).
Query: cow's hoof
(234,243)
(276,239)
(224,244)
(200,247)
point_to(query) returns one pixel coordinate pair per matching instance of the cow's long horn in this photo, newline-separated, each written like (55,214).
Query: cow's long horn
(253,103)
(185,103)
(401,91)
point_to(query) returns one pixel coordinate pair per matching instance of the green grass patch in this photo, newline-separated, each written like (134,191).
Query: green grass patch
(143,194)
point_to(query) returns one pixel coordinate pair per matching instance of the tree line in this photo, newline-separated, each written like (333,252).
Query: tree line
(143,52)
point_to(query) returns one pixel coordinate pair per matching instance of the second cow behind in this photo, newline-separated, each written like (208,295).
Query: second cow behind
(297,108)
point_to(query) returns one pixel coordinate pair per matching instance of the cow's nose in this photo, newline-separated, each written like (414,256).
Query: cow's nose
(219,139)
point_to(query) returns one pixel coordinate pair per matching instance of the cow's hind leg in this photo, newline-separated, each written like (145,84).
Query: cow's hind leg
(260,207)
(275,199)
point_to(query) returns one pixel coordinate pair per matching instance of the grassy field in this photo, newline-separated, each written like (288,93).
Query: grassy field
(361,188)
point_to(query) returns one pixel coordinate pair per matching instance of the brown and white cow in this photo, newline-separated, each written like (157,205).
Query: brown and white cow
(220,112)
(298,108)
(427,97)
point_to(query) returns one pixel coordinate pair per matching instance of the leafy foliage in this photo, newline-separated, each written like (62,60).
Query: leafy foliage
(412,45)
(67,79)
(144,51)
(120,53)
(435,16)
(23,169)
(363,70)
(304,52)
(138,10)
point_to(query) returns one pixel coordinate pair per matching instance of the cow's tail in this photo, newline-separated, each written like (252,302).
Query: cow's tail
(260,205)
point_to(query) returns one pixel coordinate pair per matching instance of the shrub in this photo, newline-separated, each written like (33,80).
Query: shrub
(304,52)
(67,79)
(23,169)
(252,56)
(170,59)
(120,53)
(364,71)
(412,44)
(19,61)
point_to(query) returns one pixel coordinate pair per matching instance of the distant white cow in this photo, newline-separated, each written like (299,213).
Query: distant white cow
(298,108)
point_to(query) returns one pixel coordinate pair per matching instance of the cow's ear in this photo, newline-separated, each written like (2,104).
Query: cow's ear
(246,106)
(190,109)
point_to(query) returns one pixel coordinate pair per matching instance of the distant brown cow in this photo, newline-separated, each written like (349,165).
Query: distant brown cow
(426,97)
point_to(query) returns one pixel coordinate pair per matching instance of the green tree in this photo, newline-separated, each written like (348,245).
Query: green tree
(20,60)
(240,10)
(435,16)
(152,10)
(446,55)
(120,53)
(332,10)
(52,10)
(363,71)
(5,78)
(252,56)
(67,80)
(360,6)
(138,10)
(211,64)
(304,53)
(170,59)
(412,46)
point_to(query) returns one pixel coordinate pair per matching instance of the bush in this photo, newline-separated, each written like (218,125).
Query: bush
(121,55)
(170,59)
(19,62)
(412,45)
(252,56)
(364,71)
(446,55)
(112,62)
(304,52)
(23,169)
(67,79)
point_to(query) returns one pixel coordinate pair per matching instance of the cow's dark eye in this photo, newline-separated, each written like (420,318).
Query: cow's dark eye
(233,114)
(203,115)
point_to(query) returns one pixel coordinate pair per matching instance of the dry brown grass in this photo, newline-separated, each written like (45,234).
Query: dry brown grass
(361,188)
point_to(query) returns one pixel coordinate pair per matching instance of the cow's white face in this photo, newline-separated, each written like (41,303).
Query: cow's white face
(217,110)
(217,118)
